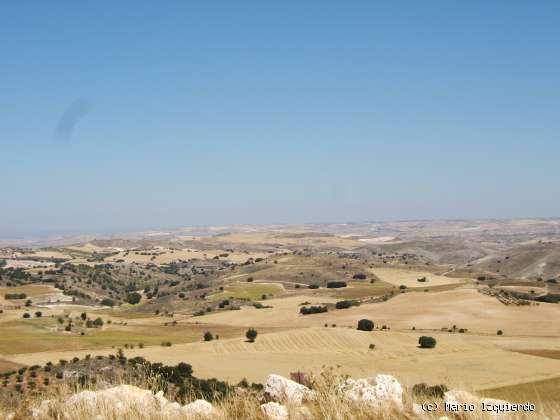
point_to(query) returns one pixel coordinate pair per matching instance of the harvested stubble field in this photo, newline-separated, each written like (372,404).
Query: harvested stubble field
(461,360)
(465,308)
(477,359)
(409,278)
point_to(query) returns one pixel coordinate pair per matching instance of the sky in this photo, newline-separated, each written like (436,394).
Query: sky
(118,116)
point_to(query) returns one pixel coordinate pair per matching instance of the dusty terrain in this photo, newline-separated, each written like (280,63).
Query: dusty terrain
(476,287)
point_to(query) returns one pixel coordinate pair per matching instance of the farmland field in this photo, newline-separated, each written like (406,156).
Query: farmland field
(163,302)
(410,278)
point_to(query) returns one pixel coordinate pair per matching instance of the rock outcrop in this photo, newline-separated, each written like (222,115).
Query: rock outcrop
(125,399)
(285,397)
(284,390)
(381,391)
(274,411)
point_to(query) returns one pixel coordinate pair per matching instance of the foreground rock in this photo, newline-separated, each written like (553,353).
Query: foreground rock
(274,411)
(124,401)
(383,391)
(285,390)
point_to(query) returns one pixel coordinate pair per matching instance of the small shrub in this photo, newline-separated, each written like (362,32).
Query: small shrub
(208,336)
(435,391)
(251,334)
(345,304)
(15,296)
(133,298)
(107,302)
(426,342)
(500,332)
(305,310)
(365,325)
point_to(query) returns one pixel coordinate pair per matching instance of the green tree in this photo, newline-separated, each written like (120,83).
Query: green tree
(426,342)
(365,325)
(251,335)
(133,298)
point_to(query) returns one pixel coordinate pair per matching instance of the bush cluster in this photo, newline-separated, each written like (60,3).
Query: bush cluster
(365,325)
(307,310)
(434,391)
(336,284)
(14,296)
(345,304)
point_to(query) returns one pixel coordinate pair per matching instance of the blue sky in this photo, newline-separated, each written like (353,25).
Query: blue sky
(276,112)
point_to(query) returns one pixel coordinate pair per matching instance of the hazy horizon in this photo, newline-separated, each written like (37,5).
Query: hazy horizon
(129,116)
(116,232)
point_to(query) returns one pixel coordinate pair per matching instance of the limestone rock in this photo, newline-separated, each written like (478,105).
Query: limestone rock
(281,389)
(274,411)
(385,390)
(120,399)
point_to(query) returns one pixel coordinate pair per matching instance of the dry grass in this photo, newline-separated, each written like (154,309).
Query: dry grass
(329,403)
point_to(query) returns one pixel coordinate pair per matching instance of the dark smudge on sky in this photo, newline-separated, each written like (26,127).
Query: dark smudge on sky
(77,110)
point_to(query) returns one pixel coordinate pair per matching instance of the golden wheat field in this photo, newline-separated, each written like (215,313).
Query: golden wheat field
(476,359)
